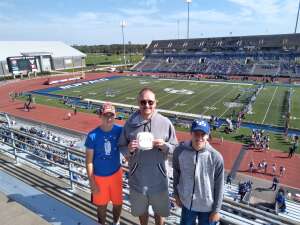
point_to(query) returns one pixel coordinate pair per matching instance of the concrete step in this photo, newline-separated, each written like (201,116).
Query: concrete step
(13,213)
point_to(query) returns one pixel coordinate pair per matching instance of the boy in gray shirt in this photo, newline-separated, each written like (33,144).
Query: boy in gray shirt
(198,172)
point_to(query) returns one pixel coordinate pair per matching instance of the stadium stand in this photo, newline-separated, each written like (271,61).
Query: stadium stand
(264,55)
(292,211)
(67,163)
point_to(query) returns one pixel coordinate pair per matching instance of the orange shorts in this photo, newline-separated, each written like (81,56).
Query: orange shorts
(110,189)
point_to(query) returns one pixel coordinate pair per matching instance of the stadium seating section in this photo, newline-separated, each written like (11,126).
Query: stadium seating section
(267,55)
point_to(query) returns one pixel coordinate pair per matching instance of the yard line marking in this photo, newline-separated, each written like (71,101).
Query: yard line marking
(224,112)
(216,102)
(204,81)
(164,93)
(195,96)
(228,108)
(269,105)
(204,99)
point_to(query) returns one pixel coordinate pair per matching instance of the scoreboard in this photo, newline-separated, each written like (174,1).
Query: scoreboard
(22,64)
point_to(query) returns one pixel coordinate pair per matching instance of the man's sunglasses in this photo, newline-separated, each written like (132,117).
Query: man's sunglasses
(144,102)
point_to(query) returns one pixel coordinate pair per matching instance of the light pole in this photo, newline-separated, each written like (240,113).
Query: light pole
(188,18)
(297,18)
(178,29)
(130,51)
(123,24)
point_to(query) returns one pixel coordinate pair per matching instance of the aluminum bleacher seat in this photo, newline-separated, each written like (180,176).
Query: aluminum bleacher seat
(292,211)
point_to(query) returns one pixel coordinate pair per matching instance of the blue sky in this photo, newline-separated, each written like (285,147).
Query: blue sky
(98,21)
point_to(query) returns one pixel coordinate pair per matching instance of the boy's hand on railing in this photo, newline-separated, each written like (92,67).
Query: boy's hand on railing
(214,217)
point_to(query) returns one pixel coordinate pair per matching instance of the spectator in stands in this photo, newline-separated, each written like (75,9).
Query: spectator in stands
(229,180)
(242,190)
(103,164)
(205,174)
(275,182)
(147,138)
(244,187)
(280,201)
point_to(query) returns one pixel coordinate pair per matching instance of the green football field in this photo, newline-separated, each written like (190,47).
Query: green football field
(207,98)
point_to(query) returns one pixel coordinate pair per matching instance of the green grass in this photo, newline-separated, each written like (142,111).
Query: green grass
(270,106)
(295,109)
(98,59)
(208,98)
(53,102)
(278,141)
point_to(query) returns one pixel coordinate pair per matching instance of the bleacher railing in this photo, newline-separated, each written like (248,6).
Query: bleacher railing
(69,163)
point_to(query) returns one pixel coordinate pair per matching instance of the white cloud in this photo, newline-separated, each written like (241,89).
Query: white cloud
(150,21)
(139,11)
(150,3)
(204,16)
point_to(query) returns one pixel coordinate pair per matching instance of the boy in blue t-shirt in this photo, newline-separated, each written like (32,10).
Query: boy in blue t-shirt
(103,164)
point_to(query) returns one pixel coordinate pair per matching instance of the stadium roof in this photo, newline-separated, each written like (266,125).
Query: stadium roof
(19,48)
(271,41)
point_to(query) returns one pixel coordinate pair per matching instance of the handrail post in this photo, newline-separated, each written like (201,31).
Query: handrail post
(69,168)
(14,145)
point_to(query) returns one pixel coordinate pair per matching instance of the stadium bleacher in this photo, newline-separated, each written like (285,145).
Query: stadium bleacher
(265,55)
(292,211)
(232,211)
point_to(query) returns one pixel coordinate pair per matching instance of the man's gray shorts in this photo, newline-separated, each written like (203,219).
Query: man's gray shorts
(140,203)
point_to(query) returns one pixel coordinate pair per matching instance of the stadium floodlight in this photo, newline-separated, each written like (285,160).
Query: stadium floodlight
(178,29)
(123,24)
(297,18)
(188,18)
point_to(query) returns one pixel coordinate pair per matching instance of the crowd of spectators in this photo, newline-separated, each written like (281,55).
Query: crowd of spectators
(43,144)
(244,188)
(219,65)
(48,135)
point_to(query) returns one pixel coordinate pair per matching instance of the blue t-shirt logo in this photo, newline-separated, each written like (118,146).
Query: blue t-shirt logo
(107,147)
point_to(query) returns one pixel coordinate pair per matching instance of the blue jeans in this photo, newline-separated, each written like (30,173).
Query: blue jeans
(189,217)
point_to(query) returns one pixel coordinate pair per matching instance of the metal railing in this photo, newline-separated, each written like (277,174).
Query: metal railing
(69,164)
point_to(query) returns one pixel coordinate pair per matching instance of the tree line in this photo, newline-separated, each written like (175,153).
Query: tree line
(112,49)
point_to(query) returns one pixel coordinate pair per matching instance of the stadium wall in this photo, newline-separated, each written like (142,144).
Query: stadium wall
(61,63)
(3,68)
